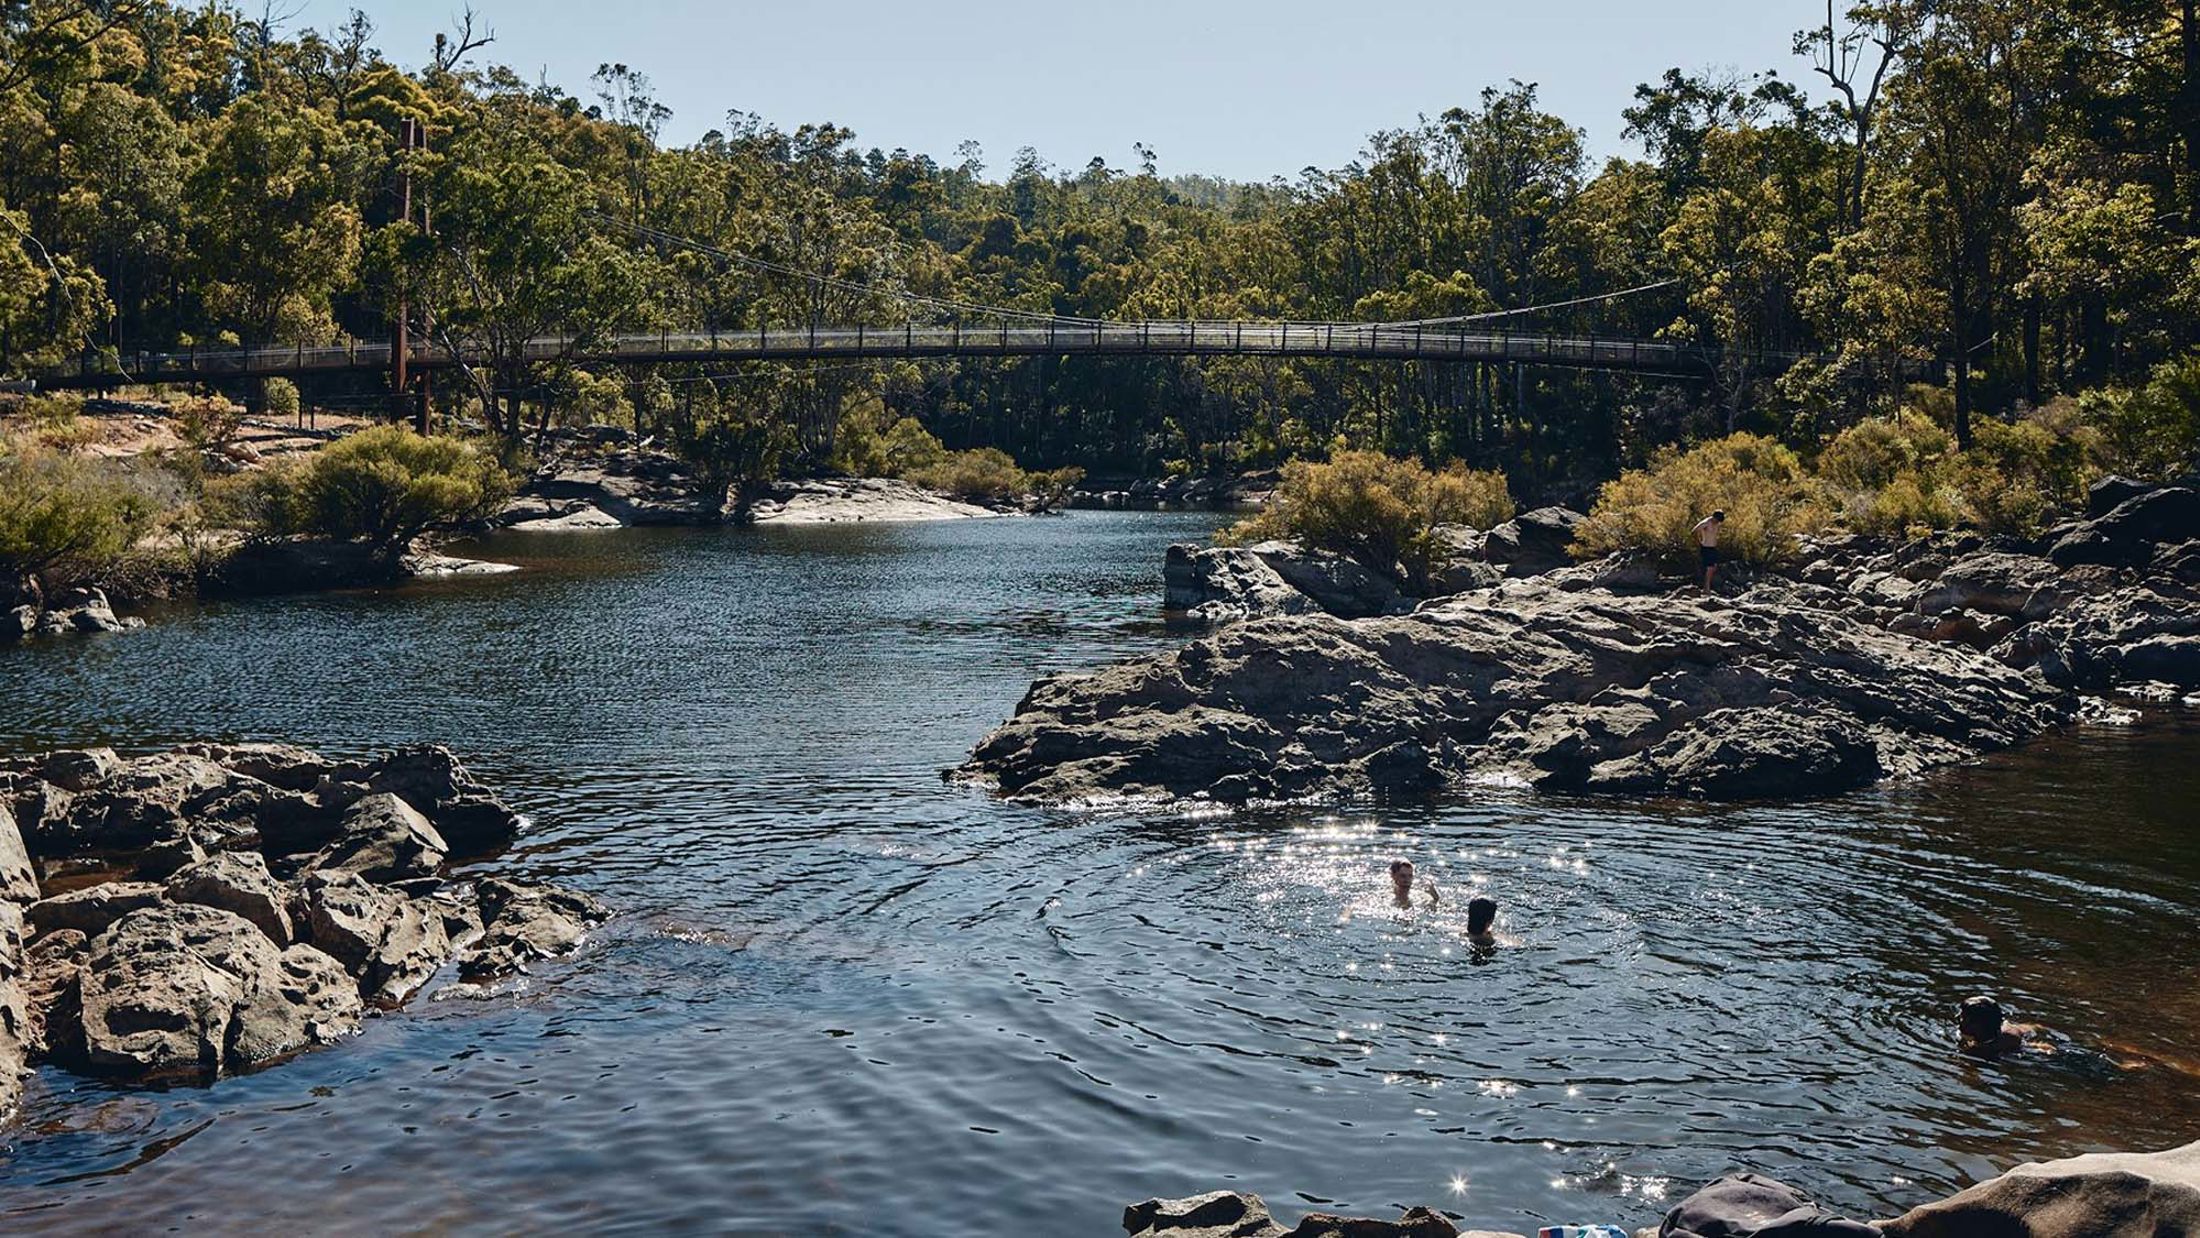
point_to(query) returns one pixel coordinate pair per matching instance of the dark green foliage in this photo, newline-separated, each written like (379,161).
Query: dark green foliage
(383,486)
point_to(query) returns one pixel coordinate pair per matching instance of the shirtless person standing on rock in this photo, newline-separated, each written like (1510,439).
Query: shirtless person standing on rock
(1707,545)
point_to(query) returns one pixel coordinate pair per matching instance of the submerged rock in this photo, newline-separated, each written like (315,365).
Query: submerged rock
(1567,689)
(1235,1214)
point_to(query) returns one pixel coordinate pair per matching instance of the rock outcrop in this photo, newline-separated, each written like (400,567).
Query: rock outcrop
(1868,660)
(1151,493)
(27,610)
(1234,1214)
(630,483)
(282,895)
(1582,689)
(265,566)
(859,500)
(2101,1195)
(1225,583)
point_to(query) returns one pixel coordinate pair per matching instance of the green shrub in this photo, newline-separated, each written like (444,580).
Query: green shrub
(2153,431)
(981,475)
(1380,511)
(1874,452)
(53,410)
(65,515)
(1909,504)
(1768,498)
(734,452)
(280,397)
(383,485)
(207,421)
(909,448)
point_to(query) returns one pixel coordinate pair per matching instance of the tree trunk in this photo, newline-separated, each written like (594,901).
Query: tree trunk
(1959,305)
(2032,316)
(2188,118)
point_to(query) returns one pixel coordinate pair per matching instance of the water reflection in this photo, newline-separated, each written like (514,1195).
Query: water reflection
(847,998)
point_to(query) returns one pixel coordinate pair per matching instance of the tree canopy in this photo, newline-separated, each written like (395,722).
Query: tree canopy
(2002,200)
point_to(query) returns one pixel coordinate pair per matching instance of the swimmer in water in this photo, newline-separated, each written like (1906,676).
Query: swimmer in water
(1482,931)
(1982,1031)
(1401,884)
(1482,921)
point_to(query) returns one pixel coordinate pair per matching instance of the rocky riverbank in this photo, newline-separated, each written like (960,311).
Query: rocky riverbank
(1866,662)
(1161,493)
(2099,1195)
(603,479)
(214,909)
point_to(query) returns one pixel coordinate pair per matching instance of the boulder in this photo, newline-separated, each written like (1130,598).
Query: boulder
(18,879)
(299,565)
(1235,1214)
(90,910)
(1997,584)
(1219,1214)
(525,921)
(179,992)
(633,486)
(1337,585)
(237,882)
(20,1032)
(2087,642)
(283,766)
(1412,1223)
(1770,694)
(430,778)
(2100,1195)
(1751,1206)
(2127,533)
(1623,572)
(416,943)
(1220,584)
(383,839)
(2110,492)
(79,769)
(346,916)
(83,610)
(1760,752)
(54,965)
(1534,542)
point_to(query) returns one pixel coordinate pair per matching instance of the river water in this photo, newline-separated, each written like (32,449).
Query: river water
(843,997)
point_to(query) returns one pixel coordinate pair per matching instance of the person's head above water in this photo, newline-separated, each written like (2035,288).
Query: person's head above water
(1481,914)
(1979,1021)
(1401,877)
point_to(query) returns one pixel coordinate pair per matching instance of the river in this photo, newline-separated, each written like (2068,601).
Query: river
(845,997)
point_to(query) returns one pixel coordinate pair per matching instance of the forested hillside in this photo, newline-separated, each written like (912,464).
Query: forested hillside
(2000,199)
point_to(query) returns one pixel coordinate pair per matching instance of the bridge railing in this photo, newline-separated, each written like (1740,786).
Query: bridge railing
(1201,337)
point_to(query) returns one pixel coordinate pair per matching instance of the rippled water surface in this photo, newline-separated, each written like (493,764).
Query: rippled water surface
(846,998)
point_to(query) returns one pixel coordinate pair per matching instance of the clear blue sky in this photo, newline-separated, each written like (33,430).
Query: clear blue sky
(1245,89)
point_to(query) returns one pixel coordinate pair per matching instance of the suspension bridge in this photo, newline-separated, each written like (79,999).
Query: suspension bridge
(1000,332)
(1359,341)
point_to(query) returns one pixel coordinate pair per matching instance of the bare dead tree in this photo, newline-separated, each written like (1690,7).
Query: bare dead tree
(451,49)
(1874,41)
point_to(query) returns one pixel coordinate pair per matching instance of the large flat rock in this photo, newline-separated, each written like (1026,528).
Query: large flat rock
(860,500)
(1771,695)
